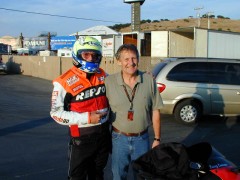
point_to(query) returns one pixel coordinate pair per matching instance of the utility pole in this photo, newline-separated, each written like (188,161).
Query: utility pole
(21,40)
(198,14)
(208,14)
(49,41)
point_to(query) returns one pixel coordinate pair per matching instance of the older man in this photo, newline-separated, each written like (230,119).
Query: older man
(135,103)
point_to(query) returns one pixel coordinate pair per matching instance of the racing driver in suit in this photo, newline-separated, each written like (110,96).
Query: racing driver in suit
(79,101)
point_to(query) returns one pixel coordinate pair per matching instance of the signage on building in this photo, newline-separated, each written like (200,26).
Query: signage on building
(110,45)
(107,47)
(36,43)
(62,42)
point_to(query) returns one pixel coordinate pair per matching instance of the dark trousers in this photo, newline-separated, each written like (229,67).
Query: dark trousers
(88,156)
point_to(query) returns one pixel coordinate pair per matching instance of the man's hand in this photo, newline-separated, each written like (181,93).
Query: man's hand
(155,143)
(96,116)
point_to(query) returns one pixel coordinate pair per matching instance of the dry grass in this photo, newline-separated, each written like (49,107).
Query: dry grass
(216,24)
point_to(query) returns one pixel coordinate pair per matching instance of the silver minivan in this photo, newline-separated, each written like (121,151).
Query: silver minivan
(192,87)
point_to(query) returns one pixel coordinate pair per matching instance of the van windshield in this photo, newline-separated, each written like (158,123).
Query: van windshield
(158,68)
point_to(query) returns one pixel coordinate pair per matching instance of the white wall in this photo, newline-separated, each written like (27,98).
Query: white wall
(159,44)
(201,43)
(223,45)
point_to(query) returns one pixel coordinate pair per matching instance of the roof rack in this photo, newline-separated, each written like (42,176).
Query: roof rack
(199,58)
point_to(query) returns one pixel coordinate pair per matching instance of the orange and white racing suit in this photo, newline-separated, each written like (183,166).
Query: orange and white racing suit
(74,96)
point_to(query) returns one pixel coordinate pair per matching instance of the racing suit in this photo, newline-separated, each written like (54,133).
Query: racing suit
(74,96)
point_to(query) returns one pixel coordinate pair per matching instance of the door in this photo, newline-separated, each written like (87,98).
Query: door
(225,88)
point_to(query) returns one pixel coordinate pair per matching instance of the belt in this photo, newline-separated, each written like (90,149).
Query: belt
(129,134)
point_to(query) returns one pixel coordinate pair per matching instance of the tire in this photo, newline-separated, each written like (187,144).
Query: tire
(188,112)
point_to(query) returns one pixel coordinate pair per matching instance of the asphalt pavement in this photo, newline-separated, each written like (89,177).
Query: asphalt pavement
(33,146)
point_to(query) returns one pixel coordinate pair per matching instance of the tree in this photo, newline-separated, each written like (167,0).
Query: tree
(220,17)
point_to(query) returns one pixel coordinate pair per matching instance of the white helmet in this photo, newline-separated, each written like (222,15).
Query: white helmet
(86,44)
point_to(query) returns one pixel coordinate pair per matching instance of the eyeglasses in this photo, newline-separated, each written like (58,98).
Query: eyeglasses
(91,56)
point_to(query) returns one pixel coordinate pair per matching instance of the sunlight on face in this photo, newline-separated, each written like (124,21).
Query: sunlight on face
(128,62)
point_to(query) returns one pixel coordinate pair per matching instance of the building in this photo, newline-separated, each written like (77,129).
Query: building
(195,42)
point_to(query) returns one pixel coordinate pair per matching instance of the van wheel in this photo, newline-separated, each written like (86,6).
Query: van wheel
(188,112)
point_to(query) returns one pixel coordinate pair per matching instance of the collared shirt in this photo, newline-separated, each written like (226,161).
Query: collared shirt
(146,99)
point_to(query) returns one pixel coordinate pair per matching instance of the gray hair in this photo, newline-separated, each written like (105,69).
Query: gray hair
(128,47)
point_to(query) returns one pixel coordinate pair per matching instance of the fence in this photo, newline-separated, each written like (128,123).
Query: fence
(50,67)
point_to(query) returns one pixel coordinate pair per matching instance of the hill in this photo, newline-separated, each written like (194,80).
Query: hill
(215,24)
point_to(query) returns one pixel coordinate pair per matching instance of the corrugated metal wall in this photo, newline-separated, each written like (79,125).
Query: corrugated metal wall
(181,44)
(201,43)
(223,45)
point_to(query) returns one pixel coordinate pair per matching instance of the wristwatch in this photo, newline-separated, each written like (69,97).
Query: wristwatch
(157,139)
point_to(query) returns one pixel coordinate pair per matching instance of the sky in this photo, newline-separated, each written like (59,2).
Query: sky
(65,17)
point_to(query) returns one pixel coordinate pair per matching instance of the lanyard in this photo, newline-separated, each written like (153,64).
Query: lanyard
(133,94)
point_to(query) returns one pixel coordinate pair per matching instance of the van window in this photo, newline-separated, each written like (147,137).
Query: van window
(224,73)
(189,72)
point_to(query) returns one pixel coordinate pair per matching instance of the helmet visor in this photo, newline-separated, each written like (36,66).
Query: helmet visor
(90,56)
